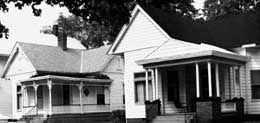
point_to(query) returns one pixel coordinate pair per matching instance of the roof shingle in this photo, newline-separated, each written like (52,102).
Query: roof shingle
(55,60)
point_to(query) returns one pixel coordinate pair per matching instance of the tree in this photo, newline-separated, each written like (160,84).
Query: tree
(216,8)
(112,13)
(91,35)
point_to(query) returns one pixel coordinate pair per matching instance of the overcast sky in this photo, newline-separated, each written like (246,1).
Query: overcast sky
(25,27)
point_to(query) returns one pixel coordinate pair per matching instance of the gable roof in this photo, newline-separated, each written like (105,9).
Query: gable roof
(54,60)
(230,31)
(227,32)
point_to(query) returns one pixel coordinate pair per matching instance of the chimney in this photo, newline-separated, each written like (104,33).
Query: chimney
(59,31)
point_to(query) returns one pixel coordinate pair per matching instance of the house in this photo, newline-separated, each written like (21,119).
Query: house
(5,88)
(49,80)
(180,74)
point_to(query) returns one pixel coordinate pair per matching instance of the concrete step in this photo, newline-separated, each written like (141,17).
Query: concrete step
(173,118)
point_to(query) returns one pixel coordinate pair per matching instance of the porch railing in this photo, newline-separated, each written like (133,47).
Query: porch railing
(86,108)
(30,110)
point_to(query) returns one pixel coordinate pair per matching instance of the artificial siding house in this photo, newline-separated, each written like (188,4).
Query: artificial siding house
(160,67)
(49,80)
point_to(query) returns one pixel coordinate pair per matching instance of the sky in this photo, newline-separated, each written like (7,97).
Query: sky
(25,27)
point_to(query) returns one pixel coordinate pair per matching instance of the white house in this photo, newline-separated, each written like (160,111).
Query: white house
(49,80)
(157,66)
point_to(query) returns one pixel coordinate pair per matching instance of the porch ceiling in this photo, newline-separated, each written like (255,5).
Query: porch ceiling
(65,80)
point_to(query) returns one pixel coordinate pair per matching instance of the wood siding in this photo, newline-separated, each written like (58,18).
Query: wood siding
(142,33)
(5,94)
(253,105)
(133,110)
(115,71)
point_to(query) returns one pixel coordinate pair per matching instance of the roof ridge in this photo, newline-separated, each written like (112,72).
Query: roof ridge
(43,45)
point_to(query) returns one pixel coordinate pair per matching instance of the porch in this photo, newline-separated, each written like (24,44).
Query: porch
(49,95)
(180,82)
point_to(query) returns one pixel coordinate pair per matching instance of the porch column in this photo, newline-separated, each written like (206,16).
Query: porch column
(49,81)
(217,79)
(156,84)
(35,96)
(209,79)
(146,85)
(234,80)
(80,97)
(153,84)
(197,80)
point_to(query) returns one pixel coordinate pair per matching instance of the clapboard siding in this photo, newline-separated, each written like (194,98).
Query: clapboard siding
(253,64)
(252,106)
(6,101)
(114,70)
(133,110)
(142,33)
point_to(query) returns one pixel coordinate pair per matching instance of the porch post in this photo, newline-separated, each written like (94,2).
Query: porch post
(49,81)
(156,84)
(209,79)
(197,80)
(234,81)
(80,97)
(35,96)
(153,84)
(217,79)
(146,85)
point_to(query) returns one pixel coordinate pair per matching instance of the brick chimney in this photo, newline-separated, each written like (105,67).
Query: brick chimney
(59,31)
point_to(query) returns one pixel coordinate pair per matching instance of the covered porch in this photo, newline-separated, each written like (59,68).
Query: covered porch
(179,81)
(48,95)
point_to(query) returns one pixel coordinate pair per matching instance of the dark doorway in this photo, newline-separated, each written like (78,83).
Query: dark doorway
(173,86)
(66,94)
(40,97)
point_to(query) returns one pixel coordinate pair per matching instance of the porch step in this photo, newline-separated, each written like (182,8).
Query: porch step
(174,118)
(170,108)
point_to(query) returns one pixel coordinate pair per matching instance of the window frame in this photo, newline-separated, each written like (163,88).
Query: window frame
(254,84)
(139,77)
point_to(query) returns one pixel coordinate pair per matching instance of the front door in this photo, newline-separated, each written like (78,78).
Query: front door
(173,86)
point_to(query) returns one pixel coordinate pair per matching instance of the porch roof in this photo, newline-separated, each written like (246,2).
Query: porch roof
(66,80)
(178,50)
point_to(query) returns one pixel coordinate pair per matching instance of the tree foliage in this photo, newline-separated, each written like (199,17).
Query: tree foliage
(216,8)
(107,13)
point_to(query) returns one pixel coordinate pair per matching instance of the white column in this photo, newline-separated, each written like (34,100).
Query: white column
(156,84)
(217,80)
(80,97)
(146,85)
(240,90)
(209,79)
(35,94)
(234,81)
(35,97)
(197,80)
(50,96)
(153,84)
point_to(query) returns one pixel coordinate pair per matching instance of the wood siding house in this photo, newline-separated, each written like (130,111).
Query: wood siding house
(159,66)
(49,80)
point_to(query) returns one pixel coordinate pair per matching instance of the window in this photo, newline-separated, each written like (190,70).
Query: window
(19,97)
(139,82)
(255,84)
(100,95)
